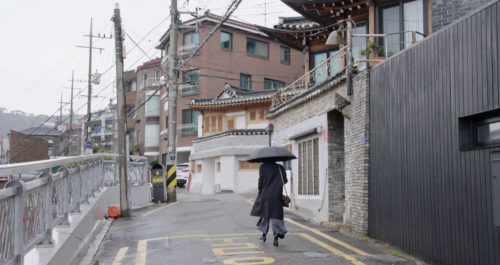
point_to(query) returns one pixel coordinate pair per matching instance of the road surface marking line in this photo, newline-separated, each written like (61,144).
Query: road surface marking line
(250,201)
(250,245)
(158,209)
(142,247)
(191,236)
(119,256)
(251,260)
(227,240)
(332,249)
(330,238)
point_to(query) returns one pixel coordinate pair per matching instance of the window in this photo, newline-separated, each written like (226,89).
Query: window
(480,130)
(244,165)
(284,54)
(191,38)
(95,126)
(399,17)
(226,40)
(308,167)
(153,106)
(359,44)
(189,121)
(152,135)
(190,79)
(157,76)
(108,139)
(246,81)
(270,84)
(257,48)
(144,80)
(131,136)
(132,86)
(108,123)
(213,123)
(322,73)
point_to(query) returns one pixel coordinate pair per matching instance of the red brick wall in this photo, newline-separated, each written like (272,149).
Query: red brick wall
(24,148)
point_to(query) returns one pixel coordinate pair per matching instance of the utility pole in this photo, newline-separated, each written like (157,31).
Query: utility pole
(60,110)
(172,101)
(89,96)
(71,105)
(120,94)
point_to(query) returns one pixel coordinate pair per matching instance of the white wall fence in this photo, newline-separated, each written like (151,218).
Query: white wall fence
(30,210)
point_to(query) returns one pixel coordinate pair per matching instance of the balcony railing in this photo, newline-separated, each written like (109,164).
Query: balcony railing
(189,129)
(322,72)
(29,211)
(153,83)
(187,50)
(189,88)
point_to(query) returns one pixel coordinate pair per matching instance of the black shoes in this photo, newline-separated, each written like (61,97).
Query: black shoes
(263,237)
(275,243)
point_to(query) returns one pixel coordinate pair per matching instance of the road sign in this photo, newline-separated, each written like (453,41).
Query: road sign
(88,144)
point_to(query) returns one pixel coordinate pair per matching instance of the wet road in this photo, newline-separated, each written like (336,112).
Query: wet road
(217,229)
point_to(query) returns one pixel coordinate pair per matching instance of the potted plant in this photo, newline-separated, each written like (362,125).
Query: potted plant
(373,51)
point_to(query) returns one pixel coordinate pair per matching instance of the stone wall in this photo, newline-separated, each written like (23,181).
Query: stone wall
(446,11)
(357,157)
(336,164)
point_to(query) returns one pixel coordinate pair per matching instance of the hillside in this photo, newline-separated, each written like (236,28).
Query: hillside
(19,120)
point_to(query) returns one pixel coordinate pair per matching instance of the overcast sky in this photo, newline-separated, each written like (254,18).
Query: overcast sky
(39,37)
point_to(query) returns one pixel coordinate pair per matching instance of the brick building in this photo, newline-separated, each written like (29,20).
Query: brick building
(238,54)
(25,148)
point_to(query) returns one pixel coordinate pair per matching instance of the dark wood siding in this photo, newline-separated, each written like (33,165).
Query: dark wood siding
(426,196)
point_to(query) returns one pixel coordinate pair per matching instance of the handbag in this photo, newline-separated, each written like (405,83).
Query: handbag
(286,198)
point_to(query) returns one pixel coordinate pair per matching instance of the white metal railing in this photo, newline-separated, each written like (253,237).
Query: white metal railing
(29,211)
(187,50)
(150,83)
(318,74)
(188,88)
(189,128)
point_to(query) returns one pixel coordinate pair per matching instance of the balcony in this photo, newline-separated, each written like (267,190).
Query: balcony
(188,88)
(153,83)
(189,129)
(188,49)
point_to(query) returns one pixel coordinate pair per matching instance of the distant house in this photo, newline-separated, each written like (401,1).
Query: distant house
(234,124)
(51,135)
(25,147)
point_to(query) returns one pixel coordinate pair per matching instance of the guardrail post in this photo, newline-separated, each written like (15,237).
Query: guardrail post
(84,181)
(49,194)
(78,188)
(18,225)
(66,195)
(91,176)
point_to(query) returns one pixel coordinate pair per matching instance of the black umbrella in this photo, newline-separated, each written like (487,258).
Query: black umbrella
(274,153)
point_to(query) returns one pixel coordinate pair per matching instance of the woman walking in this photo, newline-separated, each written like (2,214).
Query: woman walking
(269,203)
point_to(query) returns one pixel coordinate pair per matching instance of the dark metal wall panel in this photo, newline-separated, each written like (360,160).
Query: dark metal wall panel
(426,196)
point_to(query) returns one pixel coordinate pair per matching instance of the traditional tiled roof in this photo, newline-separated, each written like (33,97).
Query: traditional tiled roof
(231,95)
(232,132)
(296,23)
(229,20)
(41,131)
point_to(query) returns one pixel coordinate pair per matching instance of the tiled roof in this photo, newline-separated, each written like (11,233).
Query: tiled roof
(41,131)
(229,20)
(153,62)
(232,132)
(296,23)
(231,95)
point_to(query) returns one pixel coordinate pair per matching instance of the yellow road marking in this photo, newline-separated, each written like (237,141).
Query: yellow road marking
(120,255)
(191,236)
(250,260)
(330,238)
(227,240)
(250,201)
(159,208)
(331,249)
(233,246)
(140,258)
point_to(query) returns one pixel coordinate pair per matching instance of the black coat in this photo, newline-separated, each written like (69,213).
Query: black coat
(269,202)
